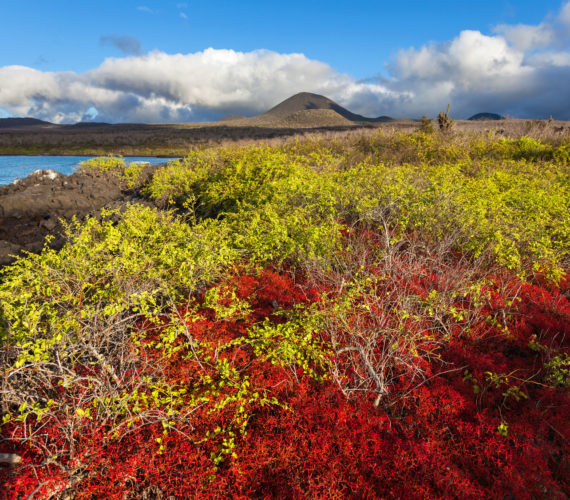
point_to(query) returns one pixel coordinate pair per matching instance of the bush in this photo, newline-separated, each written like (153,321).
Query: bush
(67,317)
(382,316)
(426,125)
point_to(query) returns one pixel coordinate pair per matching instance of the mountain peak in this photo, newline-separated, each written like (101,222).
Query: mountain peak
(304,101)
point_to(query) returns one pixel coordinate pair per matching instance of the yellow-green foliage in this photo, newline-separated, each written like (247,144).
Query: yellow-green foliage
(422,147)
(292,344)
(114,165)
(269,198)
(529,149)
(63,311)
(504,199)
(514,210)
(106,270)
(491,199)
(559,370)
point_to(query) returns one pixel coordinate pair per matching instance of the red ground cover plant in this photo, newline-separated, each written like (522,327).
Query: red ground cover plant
(476,407)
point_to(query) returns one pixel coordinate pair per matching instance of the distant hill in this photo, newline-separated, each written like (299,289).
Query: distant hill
(307,118)
(34,122)
(24,122)
(88,125)
(486,116)
(307,101)
(231,118)
(303,110)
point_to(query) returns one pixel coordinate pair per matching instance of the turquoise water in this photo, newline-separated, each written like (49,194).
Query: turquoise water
(18,167)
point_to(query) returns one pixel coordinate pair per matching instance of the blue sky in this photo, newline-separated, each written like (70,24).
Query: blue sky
(61,60)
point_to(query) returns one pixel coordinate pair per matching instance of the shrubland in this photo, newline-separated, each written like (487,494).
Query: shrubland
(377,315)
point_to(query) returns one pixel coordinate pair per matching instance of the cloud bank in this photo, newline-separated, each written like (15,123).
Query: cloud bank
(519,70)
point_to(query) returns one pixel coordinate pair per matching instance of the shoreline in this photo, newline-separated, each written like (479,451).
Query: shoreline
(93,155)
(13,167)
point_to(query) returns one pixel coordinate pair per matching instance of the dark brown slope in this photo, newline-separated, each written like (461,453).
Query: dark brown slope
(24,123)
(307,101)
(32,208)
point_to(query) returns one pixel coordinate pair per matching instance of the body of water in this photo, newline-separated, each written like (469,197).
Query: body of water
(18,167)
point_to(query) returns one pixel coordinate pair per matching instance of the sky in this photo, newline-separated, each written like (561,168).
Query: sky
(168,61)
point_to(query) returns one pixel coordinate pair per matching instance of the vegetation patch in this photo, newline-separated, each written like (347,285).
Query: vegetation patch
(375,316)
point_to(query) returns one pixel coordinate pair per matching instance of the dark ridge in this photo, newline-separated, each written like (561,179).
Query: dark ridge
(383,119)
(306,101)
(24,122)
(486,116)
(88,125)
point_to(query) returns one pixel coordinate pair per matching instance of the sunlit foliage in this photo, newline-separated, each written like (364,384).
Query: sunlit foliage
(386,316)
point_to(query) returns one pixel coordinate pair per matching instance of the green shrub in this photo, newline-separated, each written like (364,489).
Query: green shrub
(426,125)
(287,203)
(80,303)
(113,164)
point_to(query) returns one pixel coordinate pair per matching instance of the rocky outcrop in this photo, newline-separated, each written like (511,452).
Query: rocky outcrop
(31,208)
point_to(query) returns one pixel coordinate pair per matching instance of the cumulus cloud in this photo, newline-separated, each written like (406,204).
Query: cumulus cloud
(518,70)
(471,71)
(564,16)
(162,87)
(525,37)
(128,45)
(553,31)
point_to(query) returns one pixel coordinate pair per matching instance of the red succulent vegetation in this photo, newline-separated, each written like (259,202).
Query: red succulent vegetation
(486,417)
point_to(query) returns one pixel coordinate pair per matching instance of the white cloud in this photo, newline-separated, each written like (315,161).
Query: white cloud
(525,37)
(162,87)
(183,15)
(564,16)
(213,79)
(462,72)
(520,71)
(466,60)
